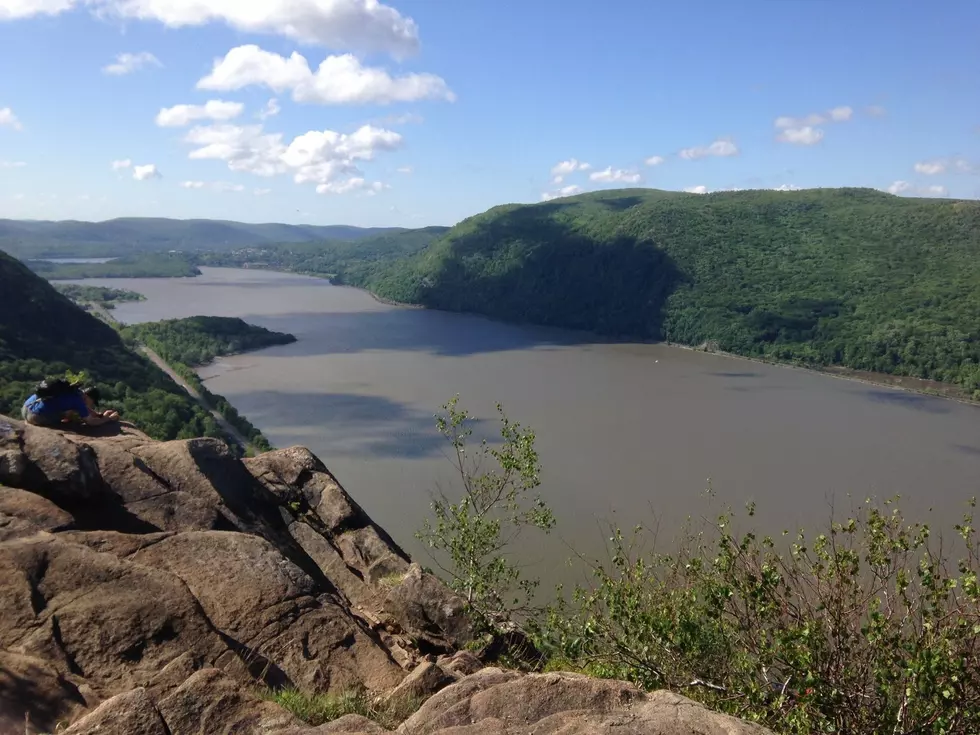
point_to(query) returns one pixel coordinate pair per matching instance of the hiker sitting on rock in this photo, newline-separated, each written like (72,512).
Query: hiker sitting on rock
(57,402)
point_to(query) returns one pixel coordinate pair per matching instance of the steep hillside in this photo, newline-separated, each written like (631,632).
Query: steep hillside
(853,277)
(331,257)
(44,239)
(44,333)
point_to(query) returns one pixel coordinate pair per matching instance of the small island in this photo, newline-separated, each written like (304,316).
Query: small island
(107,298)
(197,340)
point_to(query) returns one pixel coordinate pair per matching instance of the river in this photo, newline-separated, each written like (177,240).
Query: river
(626,432)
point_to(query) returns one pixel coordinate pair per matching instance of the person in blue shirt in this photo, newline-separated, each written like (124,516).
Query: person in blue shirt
(63,408)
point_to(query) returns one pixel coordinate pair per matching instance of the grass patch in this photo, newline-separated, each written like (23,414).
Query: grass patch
(318,709)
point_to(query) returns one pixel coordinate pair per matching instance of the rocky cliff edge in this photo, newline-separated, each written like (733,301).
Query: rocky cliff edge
(160,588)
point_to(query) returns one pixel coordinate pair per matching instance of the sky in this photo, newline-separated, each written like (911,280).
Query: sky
(417,112)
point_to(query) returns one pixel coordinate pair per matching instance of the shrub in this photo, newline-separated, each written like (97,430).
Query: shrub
(870,627)
(470,535)
(317,709)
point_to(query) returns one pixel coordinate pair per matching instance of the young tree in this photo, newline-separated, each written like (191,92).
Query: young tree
(470,535)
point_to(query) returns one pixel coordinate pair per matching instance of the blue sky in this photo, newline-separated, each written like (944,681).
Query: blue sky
(428,111)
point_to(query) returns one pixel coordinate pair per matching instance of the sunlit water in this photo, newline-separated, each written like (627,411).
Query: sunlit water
(625,431)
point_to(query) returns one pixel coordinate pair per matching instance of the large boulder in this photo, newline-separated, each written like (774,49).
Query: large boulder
(161,587)
(132,712)
(24,514)
(499,702)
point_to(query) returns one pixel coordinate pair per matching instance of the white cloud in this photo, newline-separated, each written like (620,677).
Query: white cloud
(261,192)
(326,158)
(179,116)
(12,164)
(800,122)
(570,166)
(610,175)
(837,114)
(8,118)
(358,25)
(192,184)
(405,170)
(702,189)
(876,110)
(338,80)
(804,130)
(721,147)
(565,191)
(930,168)
(801,136)
(146,172)
(787,187)
(941,165)
(654,160)
(271,109)
(12,9)
(121,164)
(128,63)
(905,187)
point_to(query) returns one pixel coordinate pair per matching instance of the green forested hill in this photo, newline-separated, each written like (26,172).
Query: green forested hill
(42,333)
(853,277)
(131,235)
(330,257)
(197,340)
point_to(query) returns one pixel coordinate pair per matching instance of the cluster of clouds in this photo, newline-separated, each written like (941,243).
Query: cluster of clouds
(128,63)
(346,31)
(9,119)
(329,160)
(144,172)
(338,80)
(722,148)
(367,26)
(805,130)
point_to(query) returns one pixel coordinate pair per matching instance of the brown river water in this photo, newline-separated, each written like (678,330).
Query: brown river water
(632,433)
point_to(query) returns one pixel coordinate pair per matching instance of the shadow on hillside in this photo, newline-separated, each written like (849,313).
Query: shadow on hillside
(529,266)
(350,424)
(621,204)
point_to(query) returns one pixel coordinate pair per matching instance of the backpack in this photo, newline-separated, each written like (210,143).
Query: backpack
(56,387)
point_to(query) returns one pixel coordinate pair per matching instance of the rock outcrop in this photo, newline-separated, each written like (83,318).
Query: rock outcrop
(160,587)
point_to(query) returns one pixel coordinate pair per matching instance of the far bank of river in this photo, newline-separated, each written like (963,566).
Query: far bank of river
(626,431)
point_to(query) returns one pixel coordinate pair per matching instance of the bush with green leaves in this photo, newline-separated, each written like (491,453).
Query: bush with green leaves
(496,503)
(870,627)
(318,709)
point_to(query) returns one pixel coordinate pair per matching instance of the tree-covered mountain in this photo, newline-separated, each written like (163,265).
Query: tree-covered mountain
(851,277)
(42,333)
(46,239)
(327,258)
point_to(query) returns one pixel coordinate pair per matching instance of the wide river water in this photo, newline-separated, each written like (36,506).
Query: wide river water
(626,432)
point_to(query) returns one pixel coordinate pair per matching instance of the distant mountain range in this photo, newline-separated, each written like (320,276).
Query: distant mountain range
(125,236)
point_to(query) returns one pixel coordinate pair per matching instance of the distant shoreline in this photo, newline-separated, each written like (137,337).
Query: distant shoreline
(919,386)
